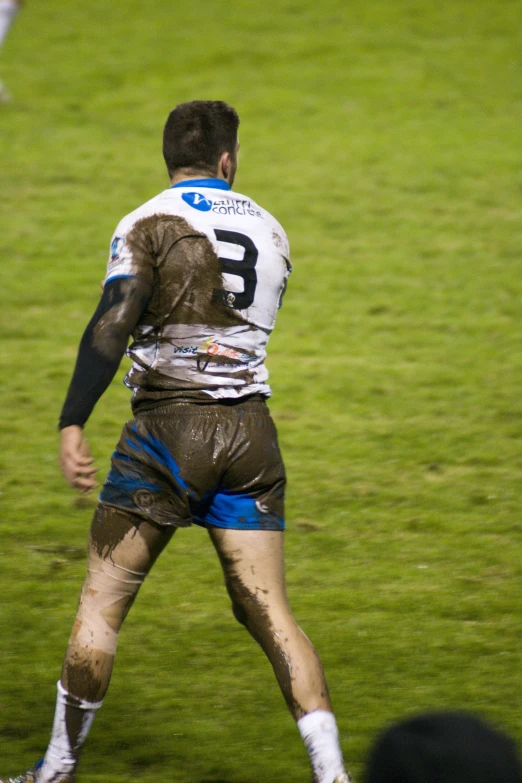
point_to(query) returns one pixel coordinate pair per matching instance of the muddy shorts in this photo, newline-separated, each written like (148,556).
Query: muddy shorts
(215,465)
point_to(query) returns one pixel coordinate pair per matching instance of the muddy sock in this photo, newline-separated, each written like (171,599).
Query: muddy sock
(72,720)
(319,733)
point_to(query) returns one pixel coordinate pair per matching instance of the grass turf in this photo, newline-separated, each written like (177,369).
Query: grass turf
(385,137)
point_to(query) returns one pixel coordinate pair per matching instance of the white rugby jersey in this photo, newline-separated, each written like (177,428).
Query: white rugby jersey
(219,264)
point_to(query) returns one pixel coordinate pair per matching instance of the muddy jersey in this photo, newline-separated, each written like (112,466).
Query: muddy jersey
(218,264)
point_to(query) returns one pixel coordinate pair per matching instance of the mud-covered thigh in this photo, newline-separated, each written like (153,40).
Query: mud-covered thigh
(215,465)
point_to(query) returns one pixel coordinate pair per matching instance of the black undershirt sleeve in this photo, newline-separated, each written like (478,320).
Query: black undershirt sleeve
(103,344)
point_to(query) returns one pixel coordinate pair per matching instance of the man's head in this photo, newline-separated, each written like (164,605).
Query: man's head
(443,747)
(200,138)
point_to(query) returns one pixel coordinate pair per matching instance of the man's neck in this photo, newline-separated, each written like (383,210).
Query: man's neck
(185,174)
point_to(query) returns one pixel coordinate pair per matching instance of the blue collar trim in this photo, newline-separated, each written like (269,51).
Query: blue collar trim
(219,184)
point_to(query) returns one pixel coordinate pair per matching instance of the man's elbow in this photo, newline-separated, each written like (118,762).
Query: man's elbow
(111,343)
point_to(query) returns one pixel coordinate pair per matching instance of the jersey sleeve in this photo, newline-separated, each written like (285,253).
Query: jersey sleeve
(131,252)
(102,346)
(120,258)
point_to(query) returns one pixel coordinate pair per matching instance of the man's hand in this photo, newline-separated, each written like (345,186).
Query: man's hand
(75,459)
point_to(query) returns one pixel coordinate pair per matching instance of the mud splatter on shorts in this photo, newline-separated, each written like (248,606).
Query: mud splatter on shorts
(215,465)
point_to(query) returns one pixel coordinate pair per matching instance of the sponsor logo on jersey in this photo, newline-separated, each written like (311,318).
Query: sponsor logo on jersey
(214,349)
(231,206)
(184,349)
(224,206)
(220,350)
(116,248)
(197,201)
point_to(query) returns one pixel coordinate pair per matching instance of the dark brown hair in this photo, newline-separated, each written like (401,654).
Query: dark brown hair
(197,133)
(443,747)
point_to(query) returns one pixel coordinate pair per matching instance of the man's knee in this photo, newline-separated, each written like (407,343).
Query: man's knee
(107,595)
(249,609)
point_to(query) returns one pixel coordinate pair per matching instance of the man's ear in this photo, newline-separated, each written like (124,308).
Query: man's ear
(224,167)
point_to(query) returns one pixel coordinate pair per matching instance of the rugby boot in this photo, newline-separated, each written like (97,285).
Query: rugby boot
(32,776)
(28,777)
(345,777)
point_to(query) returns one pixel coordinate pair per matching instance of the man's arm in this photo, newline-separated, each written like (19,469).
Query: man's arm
(101,349)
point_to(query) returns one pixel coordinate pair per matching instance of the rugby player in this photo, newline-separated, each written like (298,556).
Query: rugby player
(195,276)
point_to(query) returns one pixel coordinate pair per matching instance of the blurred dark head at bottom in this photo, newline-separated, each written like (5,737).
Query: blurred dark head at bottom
(443,747)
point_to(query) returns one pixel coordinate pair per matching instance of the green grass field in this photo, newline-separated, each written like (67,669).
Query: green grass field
(385,136)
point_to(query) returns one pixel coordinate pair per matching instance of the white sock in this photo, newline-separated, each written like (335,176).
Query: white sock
(61,758)
(319,733)
(8,11)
